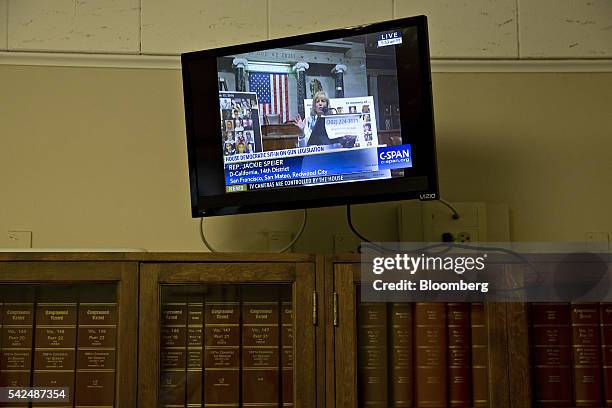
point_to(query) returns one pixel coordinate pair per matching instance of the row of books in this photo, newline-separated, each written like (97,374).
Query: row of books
(571,347)
(422,354)
(59,336)
(228,347)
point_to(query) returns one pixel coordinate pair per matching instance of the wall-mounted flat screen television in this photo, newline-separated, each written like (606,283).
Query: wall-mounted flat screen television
(329,118)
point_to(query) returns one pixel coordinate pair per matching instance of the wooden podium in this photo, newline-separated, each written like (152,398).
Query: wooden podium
(279,137)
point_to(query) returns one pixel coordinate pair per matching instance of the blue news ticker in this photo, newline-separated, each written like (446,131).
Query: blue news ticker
(317,165)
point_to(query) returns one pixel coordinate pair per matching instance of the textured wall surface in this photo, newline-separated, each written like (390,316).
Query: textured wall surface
(467,29)
(566,29)
(111,26)
(475,29)
(175,27)
(293,17)
(3,24)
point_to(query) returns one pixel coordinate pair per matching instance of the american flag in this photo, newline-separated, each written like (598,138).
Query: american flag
(272,93)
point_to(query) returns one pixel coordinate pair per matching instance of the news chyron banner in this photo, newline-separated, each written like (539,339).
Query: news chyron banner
(350,117)
(314,165)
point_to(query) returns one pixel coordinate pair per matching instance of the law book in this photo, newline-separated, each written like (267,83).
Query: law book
(173,348)
(402,382)
(222,347)
(55,337)
(195,351)
(430,359)
(458,338)
(260,348)
(96,347)
(16,338)
(287,353)
(586,353)
(606,350)
(372,355)
(480,345)
(551,351)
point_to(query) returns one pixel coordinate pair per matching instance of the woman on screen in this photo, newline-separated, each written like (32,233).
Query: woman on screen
(313,134)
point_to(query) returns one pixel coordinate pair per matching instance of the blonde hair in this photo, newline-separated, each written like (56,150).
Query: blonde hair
(318,96)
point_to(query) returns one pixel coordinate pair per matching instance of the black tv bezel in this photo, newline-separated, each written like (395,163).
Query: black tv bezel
(419,182)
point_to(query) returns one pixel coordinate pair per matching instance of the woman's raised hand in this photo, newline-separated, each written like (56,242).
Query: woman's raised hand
(299,122)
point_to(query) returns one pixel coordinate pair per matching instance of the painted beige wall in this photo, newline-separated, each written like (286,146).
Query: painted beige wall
(93,157)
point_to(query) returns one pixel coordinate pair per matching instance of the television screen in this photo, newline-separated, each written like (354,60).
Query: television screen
(330,118)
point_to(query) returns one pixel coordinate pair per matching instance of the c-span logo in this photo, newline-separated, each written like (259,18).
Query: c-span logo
(394,157)
(392,38)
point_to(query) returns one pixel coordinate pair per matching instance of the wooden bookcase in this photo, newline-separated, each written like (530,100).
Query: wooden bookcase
(560,353)
(280,290)
(57,294)
(505,340)
(319,294)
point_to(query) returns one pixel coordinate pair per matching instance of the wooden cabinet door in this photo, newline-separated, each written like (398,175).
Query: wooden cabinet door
(227,334)
(383,354)
(71,324)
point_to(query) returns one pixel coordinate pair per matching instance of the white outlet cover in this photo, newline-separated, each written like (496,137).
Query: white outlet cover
(438,219)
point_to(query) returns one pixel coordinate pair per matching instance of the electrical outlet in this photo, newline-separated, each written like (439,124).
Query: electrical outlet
(20,239)
(432,222)
(470,227)
(278,240)
(463,236)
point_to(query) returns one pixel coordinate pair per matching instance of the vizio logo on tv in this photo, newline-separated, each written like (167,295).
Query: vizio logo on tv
(392,38)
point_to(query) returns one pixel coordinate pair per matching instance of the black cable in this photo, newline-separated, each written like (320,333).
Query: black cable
(446,246)
(284,249)
(456,215)
(350,224)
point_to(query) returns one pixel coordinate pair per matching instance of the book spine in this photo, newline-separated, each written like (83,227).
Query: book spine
(551,350)
(96,355)
(401,355)
(480,346)
(430,345)
(221,354)
(260,354)
(586,355)
(55,346)
(287,353)
(459,375)
(173,349)
(606,350)
(195,341)
(17,341)
(372,355)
